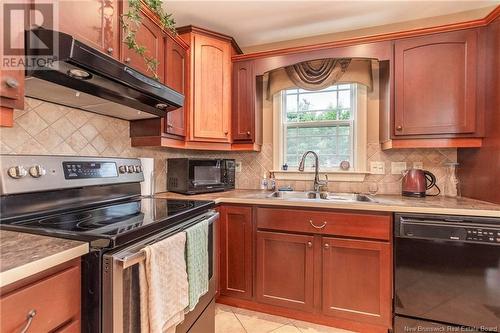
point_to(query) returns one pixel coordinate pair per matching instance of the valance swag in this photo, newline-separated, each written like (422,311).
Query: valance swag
(320,74)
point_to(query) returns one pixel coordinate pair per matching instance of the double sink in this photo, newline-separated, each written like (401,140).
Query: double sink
(320,196)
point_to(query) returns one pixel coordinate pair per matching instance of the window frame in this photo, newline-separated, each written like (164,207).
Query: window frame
(352,123)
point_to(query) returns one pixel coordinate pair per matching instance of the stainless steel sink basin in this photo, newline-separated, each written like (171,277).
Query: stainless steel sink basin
(337,197)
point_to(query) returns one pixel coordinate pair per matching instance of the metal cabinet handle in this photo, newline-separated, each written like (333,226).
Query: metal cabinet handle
(169,125)
(309,244)
(127,60)
(11,82)
(248,133)
(317,226)
(399,128)
(29,319)
(226,132)
(110,50)
(327,246)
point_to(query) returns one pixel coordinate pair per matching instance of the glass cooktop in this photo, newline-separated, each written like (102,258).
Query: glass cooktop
(136,217)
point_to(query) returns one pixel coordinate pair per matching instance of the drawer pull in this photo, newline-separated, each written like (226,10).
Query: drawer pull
(29,319)
(12,83)
(309,244)
(327,246)
(317,226)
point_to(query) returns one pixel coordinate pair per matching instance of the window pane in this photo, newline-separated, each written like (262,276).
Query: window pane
(311,119)
(344,98)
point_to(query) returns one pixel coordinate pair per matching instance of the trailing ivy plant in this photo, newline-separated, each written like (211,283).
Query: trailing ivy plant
(131,22)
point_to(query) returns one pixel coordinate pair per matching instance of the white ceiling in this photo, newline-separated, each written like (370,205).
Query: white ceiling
(260,22)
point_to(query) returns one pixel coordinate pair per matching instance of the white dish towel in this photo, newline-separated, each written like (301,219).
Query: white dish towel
(163,283)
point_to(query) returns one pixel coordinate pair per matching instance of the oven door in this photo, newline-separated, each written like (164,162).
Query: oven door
(121,302)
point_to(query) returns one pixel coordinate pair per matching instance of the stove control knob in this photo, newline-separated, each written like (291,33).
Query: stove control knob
(131,169)
(17,172)
(122,169)
(138,169)
(37,171)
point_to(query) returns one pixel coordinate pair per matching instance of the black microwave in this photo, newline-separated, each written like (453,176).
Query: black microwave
(193,176)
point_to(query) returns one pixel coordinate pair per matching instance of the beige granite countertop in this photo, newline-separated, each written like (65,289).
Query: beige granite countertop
(387,203)
(23,255)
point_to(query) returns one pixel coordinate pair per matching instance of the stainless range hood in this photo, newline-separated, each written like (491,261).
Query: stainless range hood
(85,78)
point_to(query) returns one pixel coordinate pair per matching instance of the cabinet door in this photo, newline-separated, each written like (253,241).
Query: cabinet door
(93,22)
(175,78)
(357,280)
(243,109)
(150,36)
(435,84)
(211,111)
(236,251)
(285,270)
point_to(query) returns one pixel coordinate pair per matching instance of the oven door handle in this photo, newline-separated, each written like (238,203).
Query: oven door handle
(133,258)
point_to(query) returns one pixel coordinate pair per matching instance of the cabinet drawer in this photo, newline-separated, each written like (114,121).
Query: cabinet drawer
(55,299)
(361,225)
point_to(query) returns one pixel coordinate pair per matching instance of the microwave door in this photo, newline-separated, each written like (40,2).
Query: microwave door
(206,173)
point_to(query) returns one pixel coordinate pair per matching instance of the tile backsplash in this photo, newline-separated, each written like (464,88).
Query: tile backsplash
(45,128)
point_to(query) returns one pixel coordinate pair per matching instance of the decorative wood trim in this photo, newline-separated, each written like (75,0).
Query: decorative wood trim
(210,33)
(167,142)
(6,117)
(433,143)
(374,38)
(301,315)
(153,17)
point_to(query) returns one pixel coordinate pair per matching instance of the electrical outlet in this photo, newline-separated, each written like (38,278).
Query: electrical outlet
(237,166)
(377,168)
(397,168)
(418,165)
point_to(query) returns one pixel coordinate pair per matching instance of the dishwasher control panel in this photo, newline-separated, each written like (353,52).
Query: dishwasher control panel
(483,235)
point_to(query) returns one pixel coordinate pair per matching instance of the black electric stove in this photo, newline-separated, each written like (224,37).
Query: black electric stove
(92,199)
(111,225)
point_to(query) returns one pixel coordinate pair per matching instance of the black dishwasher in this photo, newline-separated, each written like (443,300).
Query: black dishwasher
(446,273)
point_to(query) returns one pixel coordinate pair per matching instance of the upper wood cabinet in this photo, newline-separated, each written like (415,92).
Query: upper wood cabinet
(210,85)
(243,108)
(236,251)
(149,35)
(435,86)
(357,280)
(95,23)
(285,256)
(175,78)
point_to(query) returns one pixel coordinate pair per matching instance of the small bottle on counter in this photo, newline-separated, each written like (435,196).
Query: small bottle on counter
(271,183)
(263,183)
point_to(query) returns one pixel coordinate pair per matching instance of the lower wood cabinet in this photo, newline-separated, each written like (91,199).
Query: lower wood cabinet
(53,302)
(236,251)
(338,273)
(285,270)
(357,280)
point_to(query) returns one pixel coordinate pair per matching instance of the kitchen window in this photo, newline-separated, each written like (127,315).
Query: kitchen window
(331,122)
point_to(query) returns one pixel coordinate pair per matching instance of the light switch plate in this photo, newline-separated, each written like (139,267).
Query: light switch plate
(237,166)
(397,168)
(418,165)
(377,168)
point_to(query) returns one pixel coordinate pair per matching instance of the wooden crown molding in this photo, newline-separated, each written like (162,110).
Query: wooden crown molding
(152,16)
(210,33)
(493,15)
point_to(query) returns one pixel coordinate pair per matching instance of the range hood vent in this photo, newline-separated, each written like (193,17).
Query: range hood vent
(70,73)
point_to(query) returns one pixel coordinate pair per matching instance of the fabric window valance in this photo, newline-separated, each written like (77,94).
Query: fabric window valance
(320,74)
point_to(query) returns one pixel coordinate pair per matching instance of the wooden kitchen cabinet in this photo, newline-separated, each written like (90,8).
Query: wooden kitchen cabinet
(357,280)
(285,270)
(210,85)
(236,251)
(150,35)
(435,87)
(95,23)
(175,78)
(54,300)
(243,99)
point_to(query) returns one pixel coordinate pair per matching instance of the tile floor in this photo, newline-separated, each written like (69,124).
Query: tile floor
(235,320)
